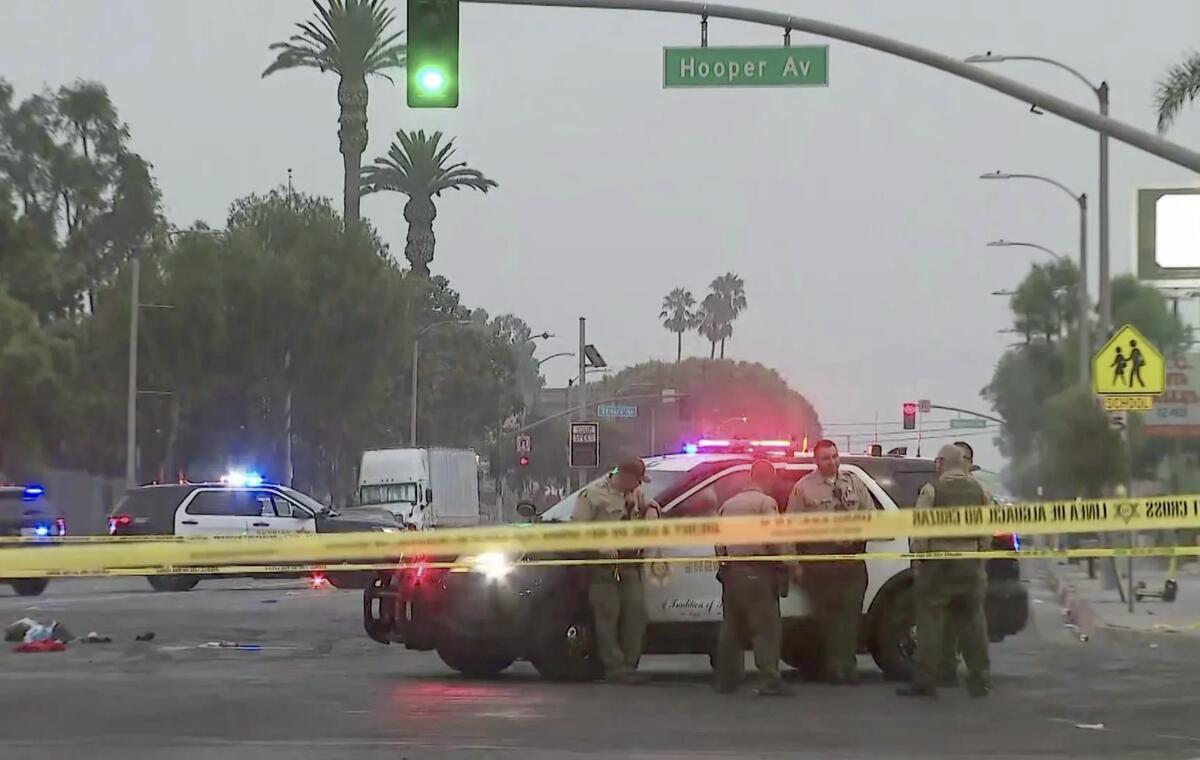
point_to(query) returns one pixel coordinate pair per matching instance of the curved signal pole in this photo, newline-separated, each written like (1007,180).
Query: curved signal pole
(1105,125)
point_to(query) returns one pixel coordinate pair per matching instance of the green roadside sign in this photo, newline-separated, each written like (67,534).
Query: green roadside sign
(803,66)
(959,423)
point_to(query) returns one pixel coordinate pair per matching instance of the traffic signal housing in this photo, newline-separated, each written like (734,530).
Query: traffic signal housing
(910,416)
(432,53)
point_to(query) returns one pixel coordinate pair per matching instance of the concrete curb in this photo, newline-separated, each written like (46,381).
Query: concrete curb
(1091,623)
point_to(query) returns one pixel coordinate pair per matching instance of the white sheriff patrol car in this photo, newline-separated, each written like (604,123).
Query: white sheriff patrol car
(483,619)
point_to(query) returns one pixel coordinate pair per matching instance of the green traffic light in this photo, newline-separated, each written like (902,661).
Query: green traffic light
(433,53)
(432,80)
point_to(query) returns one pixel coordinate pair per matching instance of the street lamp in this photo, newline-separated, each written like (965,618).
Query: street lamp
(554,356)
(1101,93)
(416,357)
(1085,345)
(1014,244)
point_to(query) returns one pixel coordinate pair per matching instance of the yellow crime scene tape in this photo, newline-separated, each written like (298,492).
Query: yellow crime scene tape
(467,565)
(211,554)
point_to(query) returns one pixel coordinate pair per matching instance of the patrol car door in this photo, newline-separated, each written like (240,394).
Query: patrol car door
(213,512)
(880,570)
(688,592)
(278,514)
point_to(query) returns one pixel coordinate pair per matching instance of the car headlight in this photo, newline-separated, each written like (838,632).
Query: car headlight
(494,566)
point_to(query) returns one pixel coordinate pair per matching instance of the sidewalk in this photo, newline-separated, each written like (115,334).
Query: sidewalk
(1101,614)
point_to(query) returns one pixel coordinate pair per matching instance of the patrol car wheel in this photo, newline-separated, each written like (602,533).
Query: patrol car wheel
(173,582)
(895,641)
(30,586)
(474,664)
(564,649)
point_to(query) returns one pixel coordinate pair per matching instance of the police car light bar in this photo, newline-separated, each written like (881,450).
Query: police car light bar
(241,478)
(32,492)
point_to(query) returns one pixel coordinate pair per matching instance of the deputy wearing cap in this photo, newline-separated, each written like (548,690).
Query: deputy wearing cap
(950,588)
(616,594)
(750,593)
(836,588)
(948,670)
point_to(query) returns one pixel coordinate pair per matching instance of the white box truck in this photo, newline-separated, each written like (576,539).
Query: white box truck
(423,488)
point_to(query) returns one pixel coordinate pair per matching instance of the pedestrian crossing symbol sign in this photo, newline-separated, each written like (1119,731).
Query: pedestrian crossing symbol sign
(1128,365)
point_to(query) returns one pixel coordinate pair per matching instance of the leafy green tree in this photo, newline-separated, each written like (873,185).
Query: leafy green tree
(678,315)
(419,167)
(33,365)
(353,39)
(1084,455)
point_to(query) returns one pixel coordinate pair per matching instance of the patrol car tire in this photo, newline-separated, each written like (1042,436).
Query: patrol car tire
(474,664)
(893,644)
(172,582)
(30,586)
(563,646)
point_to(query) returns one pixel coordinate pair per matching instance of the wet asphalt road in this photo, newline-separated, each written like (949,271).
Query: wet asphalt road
(317,688)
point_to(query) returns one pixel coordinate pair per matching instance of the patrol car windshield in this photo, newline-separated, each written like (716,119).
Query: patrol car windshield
(661,482)
(388,493)
(307,500)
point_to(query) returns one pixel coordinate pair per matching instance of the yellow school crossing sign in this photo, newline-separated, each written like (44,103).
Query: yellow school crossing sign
(1128,371)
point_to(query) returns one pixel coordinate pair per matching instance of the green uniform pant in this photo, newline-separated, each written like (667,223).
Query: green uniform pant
(750,614)
(950,591)
(836,590)
(619,611)
(949,665)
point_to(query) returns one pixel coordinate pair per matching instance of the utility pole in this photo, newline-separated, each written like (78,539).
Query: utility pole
(582,381)
(131,400)
(289,471)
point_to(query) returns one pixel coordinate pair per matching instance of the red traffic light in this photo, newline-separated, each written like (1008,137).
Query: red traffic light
(523,461)
(910,408)
(910,415)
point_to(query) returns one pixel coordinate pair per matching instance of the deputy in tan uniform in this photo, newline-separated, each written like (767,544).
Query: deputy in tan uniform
(954,588)
(948,671)
(750,594)
(616,593)
(835,589)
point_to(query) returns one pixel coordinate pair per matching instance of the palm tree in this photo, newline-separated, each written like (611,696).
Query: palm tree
(351,38)
(418,166)
(708,322)
(730,291)
(1180,87)
(678,315)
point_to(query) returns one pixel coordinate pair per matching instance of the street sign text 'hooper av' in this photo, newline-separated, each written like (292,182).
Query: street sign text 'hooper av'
(802,66)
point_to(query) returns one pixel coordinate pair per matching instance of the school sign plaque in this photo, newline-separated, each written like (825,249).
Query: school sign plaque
(1128,371)
(802,66)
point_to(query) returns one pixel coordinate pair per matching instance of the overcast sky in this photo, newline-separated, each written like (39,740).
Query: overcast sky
(853,212)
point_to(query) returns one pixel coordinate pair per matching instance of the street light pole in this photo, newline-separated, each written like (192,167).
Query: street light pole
(582,386)
(1084,329)
(1084,356)
(1104,298)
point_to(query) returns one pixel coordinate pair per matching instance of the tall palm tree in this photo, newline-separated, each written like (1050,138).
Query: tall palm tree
(351,38)
(678,315)
(708,322)
(418,165)
(1180,87)
(730,292)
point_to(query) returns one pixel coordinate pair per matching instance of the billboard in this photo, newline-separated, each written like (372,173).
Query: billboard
(1168,233)
(1176,413)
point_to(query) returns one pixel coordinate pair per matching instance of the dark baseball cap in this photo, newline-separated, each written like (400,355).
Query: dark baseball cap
(635,467)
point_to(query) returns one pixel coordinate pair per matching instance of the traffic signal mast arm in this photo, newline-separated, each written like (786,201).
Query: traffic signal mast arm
(1126,133)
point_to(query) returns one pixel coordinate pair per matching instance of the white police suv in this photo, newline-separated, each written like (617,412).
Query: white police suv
(480,621)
